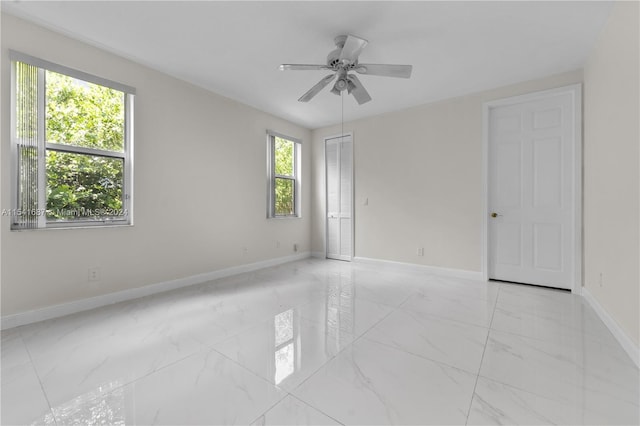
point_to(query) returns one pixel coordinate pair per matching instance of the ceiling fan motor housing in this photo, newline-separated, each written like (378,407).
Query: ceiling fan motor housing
(333,59)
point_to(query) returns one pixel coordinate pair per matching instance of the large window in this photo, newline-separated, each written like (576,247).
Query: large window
(72,138)
(283,176)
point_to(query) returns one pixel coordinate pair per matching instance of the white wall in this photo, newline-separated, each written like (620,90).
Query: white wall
(421,170)
(200,187)
(611,163)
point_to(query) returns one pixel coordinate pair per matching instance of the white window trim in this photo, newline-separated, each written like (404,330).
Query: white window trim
(297,177)
(61,69)
(127,155)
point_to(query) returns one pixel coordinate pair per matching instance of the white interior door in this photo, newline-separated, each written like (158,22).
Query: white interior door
(339,202)
(532,189)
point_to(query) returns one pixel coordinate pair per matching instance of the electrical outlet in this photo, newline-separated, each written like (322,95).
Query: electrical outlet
(94,274)
(600,279)
(295,247)
(420,251)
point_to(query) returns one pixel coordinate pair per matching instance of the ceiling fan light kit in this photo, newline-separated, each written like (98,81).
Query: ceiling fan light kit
(341,61)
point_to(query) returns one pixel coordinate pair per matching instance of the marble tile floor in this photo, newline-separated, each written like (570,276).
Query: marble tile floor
(324,342)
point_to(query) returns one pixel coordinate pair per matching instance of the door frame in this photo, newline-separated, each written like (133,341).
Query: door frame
(326,188)
(575,90)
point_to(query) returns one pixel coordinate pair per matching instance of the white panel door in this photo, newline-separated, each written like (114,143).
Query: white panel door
(339,179)
(531,191)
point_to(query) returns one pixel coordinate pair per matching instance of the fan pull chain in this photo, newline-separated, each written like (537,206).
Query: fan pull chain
(342,128)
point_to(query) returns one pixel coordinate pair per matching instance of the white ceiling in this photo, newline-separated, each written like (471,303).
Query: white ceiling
(234,48)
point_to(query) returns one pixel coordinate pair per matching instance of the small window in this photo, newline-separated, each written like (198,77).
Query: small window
(72,134)
(283,155)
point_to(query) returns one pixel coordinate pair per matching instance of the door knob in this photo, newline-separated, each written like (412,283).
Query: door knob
(494,214)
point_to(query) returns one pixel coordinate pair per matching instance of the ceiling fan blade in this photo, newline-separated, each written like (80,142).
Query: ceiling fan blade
(317,88)
(302,67)
(357,90)
(401,71)
(352,48)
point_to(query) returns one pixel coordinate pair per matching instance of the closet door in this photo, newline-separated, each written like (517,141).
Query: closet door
(339,197)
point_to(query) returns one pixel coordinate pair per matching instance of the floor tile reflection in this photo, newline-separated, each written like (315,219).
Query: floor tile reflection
(324,342)
(203,389)
(287,349)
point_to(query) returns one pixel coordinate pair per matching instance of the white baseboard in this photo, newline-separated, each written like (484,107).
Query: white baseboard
(318,255)
(627,344)
(23,318)
(436,270)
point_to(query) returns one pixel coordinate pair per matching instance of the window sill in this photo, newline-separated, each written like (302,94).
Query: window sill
(76,226)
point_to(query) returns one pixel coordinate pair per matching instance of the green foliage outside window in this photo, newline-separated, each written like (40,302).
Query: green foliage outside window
(82,186)
(284,197)
(285,167)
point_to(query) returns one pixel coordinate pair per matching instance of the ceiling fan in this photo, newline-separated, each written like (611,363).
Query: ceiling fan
(341,61)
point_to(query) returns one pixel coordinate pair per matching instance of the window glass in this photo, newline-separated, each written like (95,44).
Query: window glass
(83,114)
(284,157)
(84,187)
(284,197)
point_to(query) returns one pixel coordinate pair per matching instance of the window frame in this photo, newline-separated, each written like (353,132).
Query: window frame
(43,146)
(272,176)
